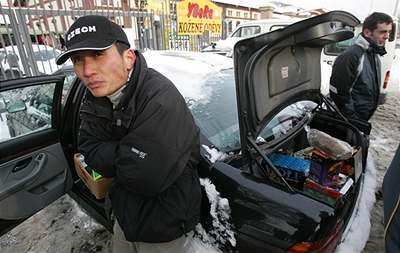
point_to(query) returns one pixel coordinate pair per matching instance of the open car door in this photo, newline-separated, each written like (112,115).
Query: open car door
(33,169)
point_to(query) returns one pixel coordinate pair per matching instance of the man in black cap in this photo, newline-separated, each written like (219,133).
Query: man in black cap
(356,74)
(136,128)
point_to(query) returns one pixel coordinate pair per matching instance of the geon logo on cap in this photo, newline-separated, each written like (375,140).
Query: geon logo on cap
(83,29)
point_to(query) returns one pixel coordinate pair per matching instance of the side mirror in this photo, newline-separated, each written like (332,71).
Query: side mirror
(16,106)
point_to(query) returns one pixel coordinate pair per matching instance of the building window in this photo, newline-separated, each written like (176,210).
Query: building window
(229,13)
(237,23)
(246,15)
(229,26)
(238,14)
(255,16)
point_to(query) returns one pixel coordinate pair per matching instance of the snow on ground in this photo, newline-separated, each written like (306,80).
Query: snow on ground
(384,141)
(393,85)
(356,235)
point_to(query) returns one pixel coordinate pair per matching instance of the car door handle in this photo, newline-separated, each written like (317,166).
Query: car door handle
(22,164)
(329,62)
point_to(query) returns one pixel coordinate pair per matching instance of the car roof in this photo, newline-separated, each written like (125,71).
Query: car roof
(270,22)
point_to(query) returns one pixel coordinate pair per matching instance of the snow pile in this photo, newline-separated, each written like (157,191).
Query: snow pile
(213,154)
(221,231)
(381,142)
(355,238)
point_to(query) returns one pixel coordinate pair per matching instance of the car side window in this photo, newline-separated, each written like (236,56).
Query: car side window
(248,31)
(237,33)
(68,81)
(25,110)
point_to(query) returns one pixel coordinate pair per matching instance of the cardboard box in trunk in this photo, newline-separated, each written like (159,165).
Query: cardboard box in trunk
(100,187)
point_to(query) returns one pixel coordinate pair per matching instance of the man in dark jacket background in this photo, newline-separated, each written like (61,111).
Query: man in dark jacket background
(391,205)
(356,74)
(136,128)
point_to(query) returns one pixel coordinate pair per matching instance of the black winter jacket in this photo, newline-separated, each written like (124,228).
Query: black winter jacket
(150,144)
(355,81)
(391,205)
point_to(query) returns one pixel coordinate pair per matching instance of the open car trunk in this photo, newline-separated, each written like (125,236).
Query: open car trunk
(291,189)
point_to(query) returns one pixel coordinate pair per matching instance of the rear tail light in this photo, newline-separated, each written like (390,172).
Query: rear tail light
(386,80)
(327,244)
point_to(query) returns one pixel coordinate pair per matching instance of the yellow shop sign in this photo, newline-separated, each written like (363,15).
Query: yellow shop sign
(198,16)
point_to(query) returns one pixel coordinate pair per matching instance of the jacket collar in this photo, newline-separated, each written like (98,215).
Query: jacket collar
(368,44)
(362,42)
(135,81)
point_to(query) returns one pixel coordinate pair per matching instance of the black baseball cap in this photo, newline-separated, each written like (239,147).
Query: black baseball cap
(91,32)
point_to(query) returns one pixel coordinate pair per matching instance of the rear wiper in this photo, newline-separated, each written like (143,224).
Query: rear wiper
(269,163)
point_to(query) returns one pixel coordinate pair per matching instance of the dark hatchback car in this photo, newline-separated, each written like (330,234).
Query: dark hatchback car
(256,113)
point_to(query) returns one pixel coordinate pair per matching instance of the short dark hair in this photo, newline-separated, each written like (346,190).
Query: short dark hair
(372,21)
(121,47)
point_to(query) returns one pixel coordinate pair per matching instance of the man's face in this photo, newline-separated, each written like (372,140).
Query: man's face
(380,34)
(103,72)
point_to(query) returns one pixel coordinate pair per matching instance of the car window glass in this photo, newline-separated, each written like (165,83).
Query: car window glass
(68,81)
(2,55)
(237,33)
(25,110)
(217,117)
(44,55)
(248,31)
(12,59)
(286,119)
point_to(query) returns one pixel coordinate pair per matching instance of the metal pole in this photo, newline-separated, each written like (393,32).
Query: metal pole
(24,42)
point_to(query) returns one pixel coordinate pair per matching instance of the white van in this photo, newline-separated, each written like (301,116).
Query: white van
(246,30)
(331,51)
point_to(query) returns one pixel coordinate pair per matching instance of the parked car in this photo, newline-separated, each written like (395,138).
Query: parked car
(11,63)
(255,111)
(246,30)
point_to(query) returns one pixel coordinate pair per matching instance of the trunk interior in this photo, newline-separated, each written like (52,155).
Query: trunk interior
(325,192)
(329,168)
